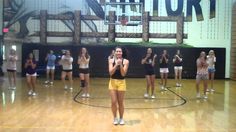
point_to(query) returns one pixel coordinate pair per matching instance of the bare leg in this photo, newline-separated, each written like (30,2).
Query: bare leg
(69,74)
(113,95)
(153,83)
(10,78)
(63,75)
(180,76)
(212,79)
(165,76)
(29,84)
(47,74)
(162,76)
(33,82)
(176,76)
(148,83)
(121,103)
(82,78)
(52,75)
(14,78)
(86,77)
(205,86)
(197,86)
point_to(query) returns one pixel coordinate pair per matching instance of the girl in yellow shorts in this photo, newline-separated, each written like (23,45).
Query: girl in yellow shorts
(118,67)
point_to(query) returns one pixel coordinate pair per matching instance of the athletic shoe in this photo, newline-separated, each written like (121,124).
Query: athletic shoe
(198,95)
(122,122)
(51,83)
(180,85)
(205,96)
(87,95)
(177,84)
(46,82)
(71,88)
(115,122)
(65,87)
(14,87)
(153,97)
(34,94)
(146,95)
(207,90)
(163,88)
(212,90)
(30,92)
(83,95)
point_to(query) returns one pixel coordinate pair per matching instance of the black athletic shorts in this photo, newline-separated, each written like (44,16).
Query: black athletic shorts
(84,70)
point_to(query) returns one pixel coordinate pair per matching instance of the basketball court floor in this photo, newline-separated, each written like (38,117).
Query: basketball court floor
(54,109)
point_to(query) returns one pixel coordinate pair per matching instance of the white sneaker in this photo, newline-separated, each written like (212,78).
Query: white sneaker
(87,95)
(51,83)
(198,95)
(146,95)
(122,122)
(14,87)
(46,82)
(83,95)
(153,97)
(207,90)
(180,85)
(30,92)
(71,88)
(177,84)
(212,90)
(34,94)
(115,122)
(205,96)
(162,88)
(65,87)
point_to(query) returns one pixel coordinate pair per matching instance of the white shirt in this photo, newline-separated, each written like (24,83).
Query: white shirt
(211,61)
(83,64)
(66,62)
(11,62)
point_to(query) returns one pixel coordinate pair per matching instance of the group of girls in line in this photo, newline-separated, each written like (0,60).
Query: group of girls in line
(205,70)
(149,61)
(117,66)
(66,63)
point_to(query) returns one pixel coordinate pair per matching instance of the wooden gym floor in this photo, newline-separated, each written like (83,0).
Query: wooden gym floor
(57,110)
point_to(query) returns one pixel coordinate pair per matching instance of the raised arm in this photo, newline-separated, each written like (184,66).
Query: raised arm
(112,68)
(124,69)
(143,61)
(154,60)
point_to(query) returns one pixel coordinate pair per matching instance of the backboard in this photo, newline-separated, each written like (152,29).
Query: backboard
(129,14)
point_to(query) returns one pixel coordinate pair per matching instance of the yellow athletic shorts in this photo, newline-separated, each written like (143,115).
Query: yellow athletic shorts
(117,84)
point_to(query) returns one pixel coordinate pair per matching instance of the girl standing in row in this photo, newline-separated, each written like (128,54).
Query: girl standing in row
(66,62)
(31,75)
(149,62)
(83,62)
(118,67)
(178,67)
(11,68)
